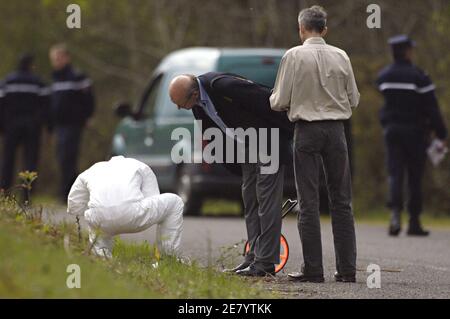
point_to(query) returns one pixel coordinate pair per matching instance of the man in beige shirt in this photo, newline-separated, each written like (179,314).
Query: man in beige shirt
(315,82)
(316,85)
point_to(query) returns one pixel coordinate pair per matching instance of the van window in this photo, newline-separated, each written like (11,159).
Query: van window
(261,70)
(149,100)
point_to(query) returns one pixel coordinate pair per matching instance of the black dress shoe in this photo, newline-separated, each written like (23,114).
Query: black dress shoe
(244,265)
(298,276)
(340,278)
(257,271)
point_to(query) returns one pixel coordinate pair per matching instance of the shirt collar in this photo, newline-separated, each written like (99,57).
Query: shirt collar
(203,94)
(314,40)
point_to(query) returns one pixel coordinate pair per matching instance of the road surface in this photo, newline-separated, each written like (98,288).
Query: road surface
(411,267)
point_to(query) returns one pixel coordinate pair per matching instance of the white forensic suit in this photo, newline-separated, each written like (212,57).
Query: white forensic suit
(122,196)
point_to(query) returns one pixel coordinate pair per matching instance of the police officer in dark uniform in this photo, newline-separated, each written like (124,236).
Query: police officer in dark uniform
(24,107)
(72,102)
(410,113)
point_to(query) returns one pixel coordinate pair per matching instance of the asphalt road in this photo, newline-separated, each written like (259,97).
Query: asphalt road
(411,267)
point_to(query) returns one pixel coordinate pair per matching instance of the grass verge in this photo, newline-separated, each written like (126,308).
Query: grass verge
(34,257)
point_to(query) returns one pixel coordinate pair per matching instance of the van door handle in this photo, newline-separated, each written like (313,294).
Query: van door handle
(148,140)
(149,130)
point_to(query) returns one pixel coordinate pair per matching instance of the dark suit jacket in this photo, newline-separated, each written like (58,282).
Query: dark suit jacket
(243,103)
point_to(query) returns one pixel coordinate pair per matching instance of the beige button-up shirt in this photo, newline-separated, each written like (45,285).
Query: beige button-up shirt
(315,81)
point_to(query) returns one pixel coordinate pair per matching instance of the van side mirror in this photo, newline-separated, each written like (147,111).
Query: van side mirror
(123,110)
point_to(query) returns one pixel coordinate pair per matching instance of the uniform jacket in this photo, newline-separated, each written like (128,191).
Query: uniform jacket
(72,97)
(410,99)
(24,100)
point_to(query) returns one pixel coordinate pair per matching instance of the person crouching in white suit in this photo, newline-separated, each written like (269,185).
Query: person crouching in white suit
(122,196)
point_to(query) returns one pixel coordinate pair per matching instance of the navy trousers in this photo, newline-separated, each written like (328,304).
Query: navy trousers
(406,155)
(26,134)
(68,140)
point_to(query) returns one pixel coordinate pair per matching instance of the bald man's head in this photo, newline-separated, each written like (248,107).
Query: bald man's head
(184,92)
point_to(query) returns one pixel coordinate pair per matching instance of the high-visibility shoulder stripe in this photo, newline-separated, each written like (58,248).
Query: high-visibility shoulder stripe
(426,89)
(397,86)
(71,85)
(406,86)
(21,88)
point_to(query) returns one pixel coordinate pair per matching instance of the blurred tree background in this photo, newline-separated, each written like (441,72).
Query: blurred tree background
(120,42)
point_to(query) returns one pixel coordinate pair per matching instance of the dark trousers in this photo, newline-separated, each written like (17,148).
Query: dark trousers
(314,143)
(68,140)
(406,153)
(262,195)
(26,135)
(323,192)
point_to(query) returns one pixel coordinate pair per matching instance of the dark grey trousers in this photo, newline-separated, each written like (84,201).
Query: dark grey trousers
(314,143)
(262,196)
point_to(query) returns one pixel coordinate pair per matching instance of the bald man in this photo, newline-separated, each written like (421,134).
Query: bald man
(226,101)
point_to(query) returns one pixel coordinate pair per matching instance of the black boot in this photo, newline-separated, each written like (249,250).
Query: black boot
(415,228)
(396,225)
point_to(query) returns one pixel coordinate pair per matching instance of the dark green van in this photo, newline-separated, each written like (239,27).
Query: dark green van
(145,132)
